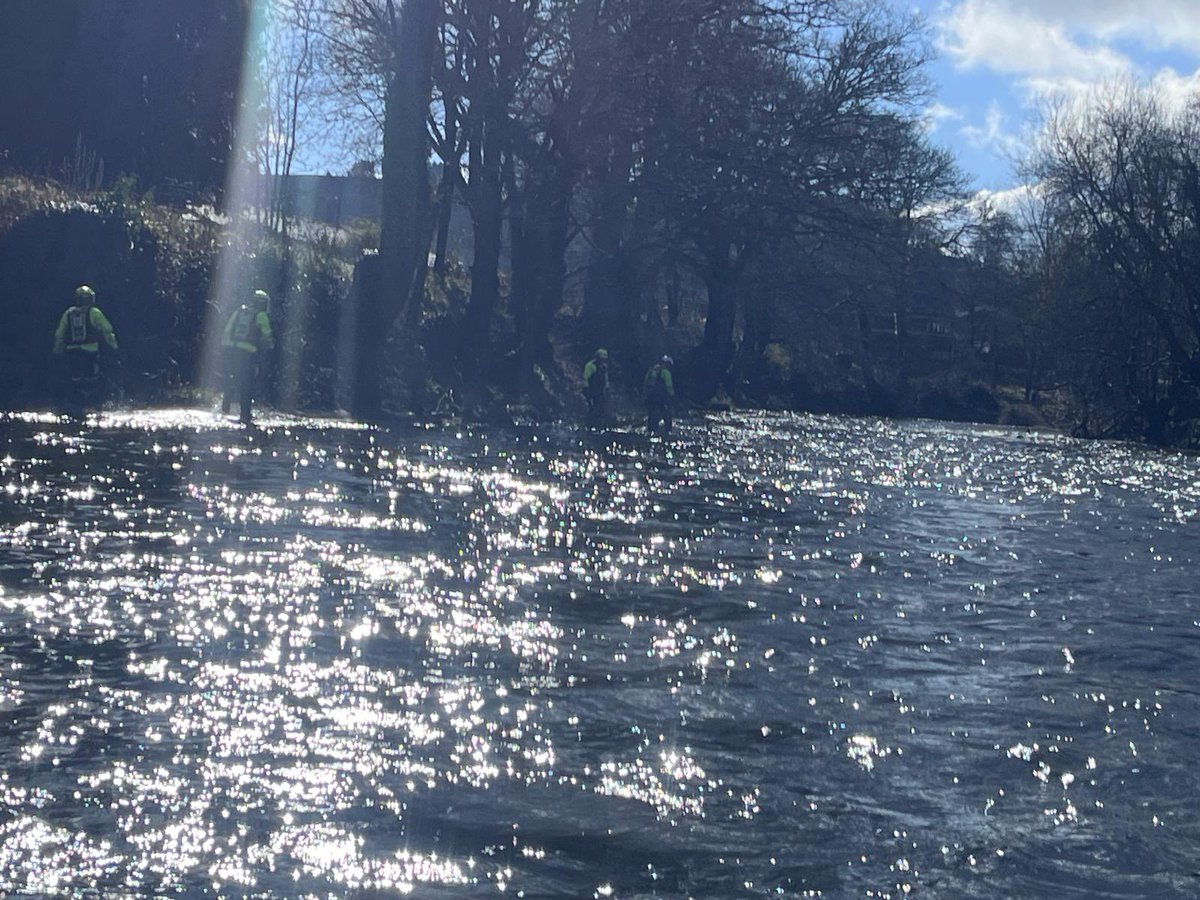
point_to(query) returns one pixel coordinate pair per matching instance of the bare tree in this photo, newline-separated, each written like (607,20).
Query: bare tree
(697,133)
(1123,174)
(773,120)
(290,76)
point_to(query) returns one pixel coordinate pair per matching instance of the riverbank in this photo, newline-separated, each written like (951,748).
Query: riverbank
(164,272)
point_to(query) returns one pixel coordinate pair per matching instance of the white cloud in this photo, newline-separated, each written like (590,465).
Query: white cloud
(1001,36)
(1156,24)
(1013,201)
(994,134)
(937,113)
(1021,52)
(1175,90)
(1065,47)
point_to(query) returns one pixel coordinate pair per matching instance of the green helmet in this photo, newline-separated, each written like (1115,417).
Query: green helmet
(601,353)
(84,295)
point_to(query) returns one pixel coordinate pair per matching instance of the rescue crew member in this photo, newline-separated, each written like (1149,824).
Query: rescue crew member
(659,390)
(595,388)
(78,336)
(247,336)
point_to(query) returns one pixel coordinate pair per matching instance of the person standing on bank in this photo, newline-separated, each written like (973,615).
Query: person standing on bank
(595,388)
(659,390)
(77,340)
(247,337)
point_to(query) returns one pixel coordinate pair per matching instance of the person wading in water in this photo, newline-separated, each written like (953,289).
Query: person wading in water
(246,339)
(659,390)
(77,340)
(595,388)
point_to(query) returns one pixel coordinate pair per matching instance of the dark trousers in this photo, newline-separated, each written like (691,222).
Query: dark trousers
(597,414)
(81,370)
(658,411)
(82,365)
(241,373)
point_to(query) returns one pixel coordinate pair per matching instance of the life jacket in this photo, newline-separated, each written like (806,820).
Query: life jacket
(242,330)
(79,321)
(655,387)
(244,325)
(596,377)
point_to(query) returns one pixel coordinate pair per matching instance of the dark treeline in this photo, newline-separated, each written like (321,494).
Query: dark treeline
(746,184)
(641,164)
(91,90)
(1109,266)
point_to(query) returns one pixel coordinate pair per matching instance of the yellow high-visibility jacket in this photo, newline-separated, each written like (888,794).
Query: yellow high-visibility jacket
(81,328)
(248,330)
(658,384)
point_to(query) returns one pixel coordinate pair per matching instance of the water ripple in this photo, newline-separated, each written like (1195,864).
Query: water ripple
(806,656)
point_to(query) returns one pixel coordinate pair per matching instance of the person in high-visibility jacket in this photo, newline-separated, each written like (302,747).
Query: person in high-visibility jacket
(659,390)
(595,388)
(78,337)
(246,338)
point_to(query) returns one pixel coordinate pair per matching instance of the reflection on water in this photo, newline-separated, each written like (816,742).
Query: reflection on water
(772,656)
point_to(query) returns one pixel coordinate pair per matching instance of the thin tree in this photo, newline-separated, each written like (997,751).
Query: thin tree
(290,72)
(386,49)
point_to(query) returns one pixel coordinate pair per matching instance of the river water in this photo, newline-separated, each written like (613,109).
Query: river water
(772,656)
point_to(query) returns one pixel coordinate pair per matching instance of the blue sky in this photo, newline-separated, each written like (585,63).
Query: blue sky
(996,58)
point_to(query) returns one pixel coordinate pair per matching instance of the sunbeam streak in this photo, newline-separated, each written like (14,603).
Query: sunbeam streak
(235,273)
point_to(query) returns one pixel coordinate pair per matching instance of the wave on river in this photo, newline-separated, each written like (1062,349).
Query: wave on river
(770,656)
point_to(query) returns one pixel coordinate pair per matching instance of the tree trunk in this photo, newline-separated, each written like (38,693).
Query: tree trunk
(487,208)
(362,340)
(611,310)
(405,203)
(539,263)
(758,319)
(708,364)
(445,208)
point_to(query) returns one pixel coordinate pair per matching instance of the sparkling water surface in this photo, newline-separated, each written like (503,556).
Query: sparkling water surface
(772,656)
